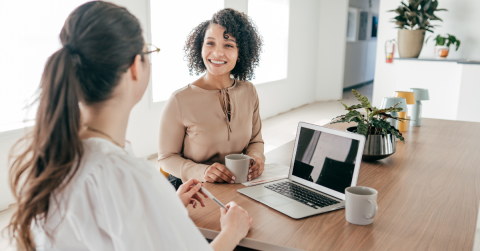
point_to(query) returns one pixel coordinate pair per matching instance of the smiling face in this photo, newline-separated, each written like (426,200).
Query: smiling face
(219,54)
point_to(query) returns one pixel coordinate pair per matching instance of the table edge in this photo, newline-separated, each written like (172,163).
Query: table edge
(249,242)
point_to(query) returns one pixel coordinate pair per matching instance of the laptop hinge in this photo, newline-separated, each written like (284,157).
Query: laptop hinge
(316,190)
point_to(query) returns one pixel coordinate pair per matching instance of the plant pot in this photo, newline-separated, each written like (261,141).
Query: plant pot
(377,146)
(410,43)
(441,51)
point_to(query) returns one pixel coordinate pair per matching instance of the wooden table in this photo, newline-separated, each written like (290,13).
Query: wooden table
(428,199)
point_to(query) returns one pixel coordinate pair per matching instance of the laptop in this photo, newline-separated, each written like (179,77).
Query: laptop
(324,162)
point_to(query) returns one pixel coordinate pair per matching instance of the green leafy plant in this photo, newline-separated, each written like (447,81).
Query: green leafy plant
(374,122)
(417,15)
(449,40)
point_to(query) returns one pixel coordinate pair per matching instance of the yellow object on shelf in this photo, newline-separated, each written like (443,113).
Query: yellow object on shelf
(410,97)
(402,125)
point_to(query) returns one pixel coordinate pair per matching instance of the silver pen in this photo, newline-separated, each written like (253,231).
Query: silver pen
(205,191)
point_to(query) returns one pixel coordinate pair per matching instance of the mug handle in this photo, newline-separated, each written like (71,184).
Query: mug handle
(251,159)
(375,209)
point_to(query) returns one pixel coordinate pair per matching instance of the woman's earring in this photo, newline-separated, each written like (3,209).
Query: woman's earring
(238,59)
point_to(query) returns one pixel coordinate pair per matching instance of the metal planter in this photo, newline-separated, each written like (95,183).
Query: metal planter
(377,146)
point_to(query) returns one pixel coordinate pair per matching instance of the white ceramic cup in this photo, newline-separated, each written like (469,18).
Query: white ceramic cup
(360,205)
(238,165)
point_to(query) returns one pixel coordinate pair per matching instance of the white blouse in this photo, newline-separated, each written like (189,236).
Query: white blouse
(118,202)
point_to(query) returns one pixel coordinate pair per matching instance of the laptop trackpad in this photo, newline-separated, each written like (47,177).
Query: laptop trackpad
(275,200)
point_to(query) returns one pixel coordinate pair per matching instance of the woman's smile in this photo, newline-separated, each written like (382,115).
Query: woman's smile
(217,63)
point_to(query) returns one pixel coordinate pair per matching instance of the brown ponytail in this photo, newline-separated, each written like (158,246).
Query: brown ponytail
(100,41)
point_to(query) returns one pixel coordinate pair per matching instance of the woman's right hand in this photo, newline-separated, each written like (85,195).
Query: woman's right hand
(218,173)
(235,221)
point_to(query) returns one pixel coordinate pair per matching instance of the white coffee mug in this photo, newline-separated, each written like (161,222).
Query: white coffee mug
(360,205)
(238,165)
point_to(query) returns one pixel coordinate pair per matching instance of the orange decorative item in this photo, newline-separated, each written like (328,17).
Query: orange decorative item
(389,49)
(441,51)
(410,97)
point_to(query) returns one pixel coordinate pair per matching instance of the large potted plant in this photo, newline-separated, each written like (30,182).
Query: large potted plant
(442,45)
(413,20)
(381,137)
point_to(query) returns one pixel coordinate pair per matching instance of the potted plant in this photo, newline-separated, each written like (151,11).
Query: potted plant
(380,135)
(442,45)
(413,20)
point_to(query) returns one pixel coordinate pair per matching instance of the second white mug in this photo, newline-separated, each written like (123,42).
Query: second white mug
(238,165)
(360,205)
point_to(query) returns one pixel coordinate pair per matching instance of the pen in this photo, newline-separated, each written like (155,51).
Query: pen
(205,191)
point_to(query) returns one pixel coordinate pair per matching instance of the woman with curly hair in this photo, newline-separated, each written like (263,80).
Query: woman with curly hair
(218,114)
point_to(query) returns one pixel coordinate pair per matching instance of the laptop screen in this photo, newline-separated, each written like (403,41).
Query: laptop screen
(325,159)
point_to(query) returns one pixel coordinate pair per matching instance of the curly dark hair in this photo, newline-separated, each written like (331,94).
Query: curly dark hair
(237,25)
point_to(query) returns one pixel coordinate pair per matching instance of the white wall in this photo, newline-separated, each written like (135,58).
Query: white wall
(469,106)
(460,20)
(7,140)
(360,56)
(359,62)
(331,49)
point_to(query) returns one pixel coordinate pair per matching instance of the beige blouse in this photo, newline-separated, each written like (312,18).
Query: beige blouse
(195,129)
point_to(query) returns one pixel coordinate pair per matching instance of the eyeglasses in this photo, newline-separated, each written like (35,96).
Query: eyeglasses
(150,49)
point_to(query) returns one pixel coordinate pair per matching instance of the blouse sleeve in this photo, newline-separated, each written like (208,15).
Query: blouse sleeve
(170,145)
(134,208)
(256,145)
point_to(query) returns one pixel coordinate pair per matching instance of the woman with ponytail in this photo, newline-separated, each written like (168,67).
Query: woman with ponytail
(78,185)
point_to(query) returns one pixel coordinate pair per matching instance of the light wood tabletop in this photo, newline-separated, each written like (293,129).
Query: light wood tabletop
(428,198)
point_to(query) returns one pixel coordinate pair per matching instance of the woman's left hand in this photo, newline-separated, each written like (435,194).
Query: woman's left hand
(189,193)
(257,169)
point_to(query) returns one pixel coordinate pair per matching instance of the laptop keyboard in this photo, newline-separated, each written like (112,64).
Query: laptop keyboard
(301,194)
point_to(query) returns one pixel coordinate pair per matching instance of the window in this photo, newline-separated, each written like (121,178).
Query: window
(274,30)
(30,34)
(171,23)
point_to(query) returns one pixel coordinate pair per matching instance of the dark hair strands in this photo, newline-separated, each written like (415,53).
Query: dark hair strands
(102,39)
(237,25)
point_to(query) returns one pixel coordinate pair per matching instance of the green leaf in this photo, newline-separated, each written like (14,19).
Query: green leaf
(362,99)
(338,121)
(387,128)
(338,117)
(353,114)
(353,107)
(390,109)
(362,128)
(397,133)
(426,6)
(406,6)
(415,4)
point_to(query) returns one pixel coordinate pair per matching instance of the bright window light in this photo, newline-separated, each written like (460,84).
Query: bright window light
(274,30)
(171,23)
(29,35)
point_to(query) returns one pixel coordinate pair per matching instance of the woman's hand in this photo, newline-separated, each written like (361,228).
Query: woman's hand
(257,169)
(235,221)
(188,193)
(218,173)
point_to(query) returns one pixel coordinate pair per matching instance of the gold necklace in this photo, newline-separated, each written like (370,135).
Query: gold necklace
(88,128)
